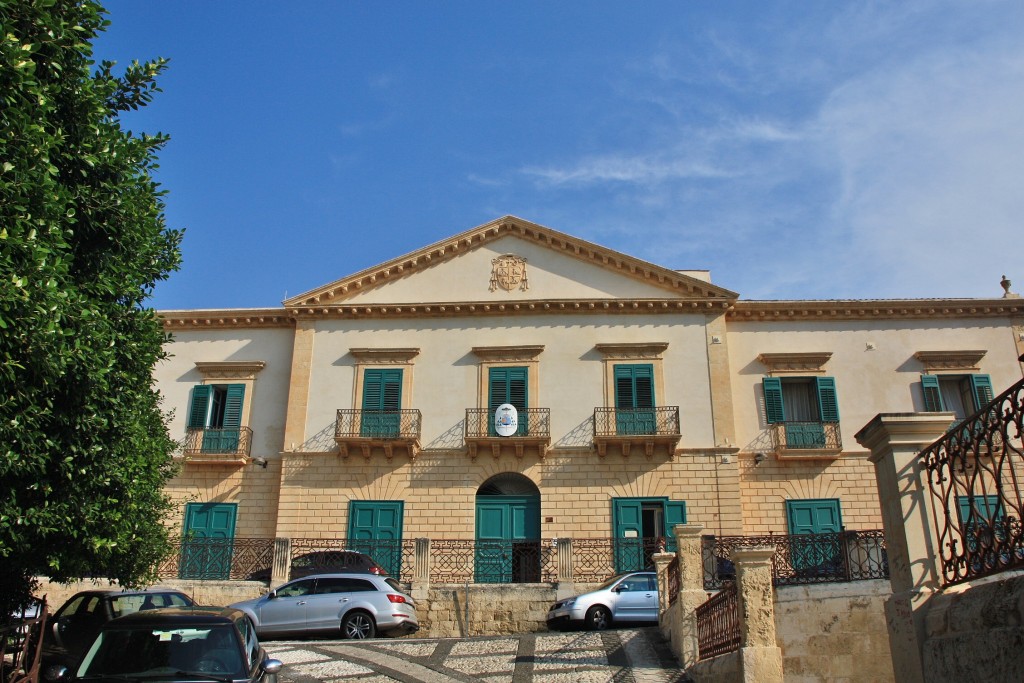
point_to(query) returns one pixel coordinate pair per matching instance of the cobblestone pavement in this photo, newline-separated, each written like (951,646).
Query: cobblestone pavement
(623,656)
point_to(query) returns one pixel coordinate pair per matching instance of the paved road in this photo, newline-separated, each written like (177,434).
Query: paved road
(623,656)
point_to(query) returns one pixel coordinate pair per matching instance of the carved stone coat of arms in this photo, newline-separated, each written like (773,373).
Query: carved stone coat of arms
(509,271)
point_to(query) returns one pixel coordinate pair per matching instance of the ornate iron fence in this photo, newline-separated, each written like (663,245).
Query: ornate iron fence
(218,559)
(396,556)
(595,559)
(974,475)
(210,441)
(795,436)
(659,421)
(378,424)
(477,561)
(718,623)
(802,558)
(674,580)
(533,422)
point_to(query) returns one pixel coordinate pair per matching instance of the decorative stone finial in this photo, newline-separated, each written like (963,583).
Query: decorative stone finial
(1007,294)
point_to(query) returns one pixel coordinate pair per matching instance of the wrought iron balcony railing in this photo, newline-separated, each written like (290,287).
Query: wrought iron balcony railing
(366,429)
(651,427)
(217,444)
(799,438)
(718,623)
(802,558)
(974,479)
(534,430)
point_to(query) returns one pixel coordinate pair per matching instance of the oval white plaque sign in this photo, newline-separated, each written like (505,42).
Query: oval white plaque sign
(506,420)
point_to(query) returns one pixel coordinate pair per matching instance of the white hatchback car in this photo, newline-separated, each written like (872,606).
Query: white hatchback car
(350,605)
(631,597)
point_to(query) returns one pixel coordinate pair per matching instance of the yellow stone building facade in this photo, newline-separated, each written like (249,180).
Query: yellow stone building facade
(643,396)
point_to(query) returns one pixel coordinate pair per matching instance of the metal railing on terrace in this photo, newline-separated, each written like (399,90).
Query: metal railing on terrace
(533,422)
(974,474)
(797,436)
(354,423)
(718,623)
(216,441)
(654,421)
(21,644)
(802,558)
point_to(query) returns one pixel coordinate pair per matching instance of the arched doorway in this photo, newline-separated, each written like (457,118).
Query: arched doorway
(507,530)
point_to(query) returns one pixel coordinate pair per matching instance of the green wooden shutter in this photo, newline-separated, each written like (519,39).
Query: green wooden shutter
(828,401)
(981,388)
(627,519)
(774,409)
(932,394)
(634,392)
(200,406)
(382,401)
(675,513)
(508,385)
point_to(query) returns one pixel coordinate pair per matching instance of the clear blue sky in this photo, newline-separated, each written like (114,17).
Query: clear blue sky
(798,150)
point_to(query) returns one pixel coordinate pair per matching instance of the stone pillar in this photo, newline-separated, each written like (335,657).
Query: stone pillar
(421,570)
(282,563)
(691,593)
(566,587)
(895,441)
(661,562)
(760,655)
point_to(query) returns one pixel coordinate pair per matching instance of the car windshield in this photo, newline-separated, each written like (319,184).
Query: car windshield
(143,652)
(610,582)
(126,604)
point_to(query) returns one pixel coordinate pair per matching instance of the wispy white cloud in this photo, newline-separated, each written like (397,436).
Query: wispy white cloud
(876,153)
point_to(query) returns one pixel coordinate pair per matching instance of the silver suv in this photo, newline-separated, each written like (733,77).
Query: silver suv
(354,605)
(626,597)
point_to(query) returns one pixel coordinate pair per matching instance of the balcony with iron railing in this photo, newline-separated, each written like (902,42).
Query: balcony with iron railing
(532,433)
(654,429)
(977,500)
(794,440)
(383,430)
(216,445)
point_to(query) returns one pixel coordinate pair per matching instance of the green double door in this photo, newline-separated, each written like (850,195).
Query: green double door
(813,517)
(640,526)
(507,539)
(208,541)
(375,528)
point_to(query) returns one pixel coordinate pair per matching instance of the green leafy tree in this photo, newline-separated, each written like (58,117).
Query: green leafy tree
(84,447)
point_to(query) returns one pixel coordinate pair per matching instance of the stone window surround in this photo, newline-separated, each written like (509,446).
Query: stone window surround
(795,363)
(516,355)
(234,372)
(401,358)
(956,362)
(632,352)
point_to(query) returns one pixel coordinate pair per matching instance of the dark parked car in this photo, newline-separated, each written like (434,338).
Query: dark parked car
(349,605)
(327,561)
(72,628)
(176,645)
(631,597)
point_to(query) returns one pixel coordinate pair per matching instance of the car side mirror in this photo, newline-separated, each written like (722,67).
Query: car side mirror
(271,595)
(270,668)
(618,589)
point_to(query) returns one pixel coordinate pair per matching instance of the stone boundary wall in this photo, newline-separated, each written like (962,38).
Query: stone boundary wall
(975,632)
(493,609)
(834,631)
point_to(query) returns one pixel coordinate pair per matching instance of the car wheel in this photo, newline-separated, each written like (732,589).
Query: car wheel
(358,625)
(598,618)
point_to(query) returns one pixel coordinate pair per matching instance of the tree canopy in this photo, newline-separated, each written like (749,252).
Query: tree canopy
(84,447)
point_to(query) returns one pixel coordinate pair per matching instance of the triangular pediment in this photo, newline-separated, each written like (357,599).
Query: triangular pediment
(510,259)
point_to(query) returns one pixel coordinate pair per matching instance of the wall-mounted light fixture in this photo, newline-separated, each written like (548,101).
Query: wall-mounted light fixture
(759,458)
(262,462)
